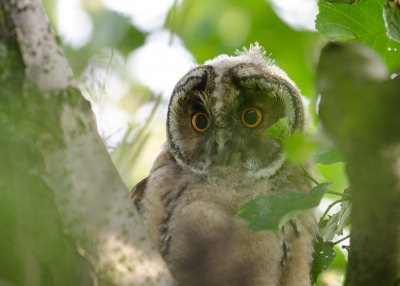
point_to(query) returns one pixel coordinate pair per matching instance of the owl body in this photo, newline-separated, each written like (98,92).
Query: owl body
(216,158)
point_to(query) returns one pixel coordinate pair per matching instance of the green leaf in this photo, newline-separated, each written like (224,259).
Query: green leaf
(335,173)
(391,15)
(301,146)
(338,2)
(336,223)
(361,22)
(273,211)
(280,130)
(328,157)
(323,257)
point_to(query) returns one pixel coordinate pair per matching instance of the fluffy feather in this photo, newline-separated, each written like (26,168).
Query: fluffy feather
(191,197)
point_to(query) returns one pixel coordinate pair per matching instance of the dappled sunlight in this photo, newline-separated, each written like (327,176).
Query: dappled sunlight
(160,62)
(332,278)
(127,264)
(74,24)
(147,15)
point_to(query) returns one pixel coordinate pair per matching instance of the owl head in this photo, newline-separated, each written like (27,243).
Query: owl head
(218,114)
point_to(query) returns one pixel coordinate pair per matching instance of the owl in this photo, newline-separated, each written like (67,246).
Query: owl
(216,158)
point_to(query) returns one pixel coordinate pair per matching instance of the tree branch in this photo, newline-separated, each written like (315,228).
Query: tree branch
(360,110)
(66,172)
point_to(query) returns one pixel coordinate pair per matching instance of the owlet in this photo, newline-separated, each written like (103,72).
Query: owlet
(216,158)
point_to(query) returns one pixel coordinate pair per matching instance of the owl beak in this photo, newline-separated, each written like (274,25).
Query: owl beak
(223,153)
(222,137)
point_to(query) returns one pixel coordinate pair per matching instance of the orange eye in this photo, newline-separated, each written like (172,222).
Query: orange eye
(251,117)
(200,121)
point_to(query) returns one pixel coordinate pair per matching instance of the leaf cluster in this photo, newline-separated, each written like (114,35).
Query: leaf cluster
(273,211)
(372,22)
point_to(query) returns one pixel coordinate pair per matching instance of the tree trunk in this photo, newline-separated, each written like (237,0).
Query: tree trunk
(360,109)
(65,215)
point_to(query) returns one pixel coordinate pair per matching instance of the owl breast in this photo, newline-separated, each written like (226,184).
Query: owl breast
(216,158)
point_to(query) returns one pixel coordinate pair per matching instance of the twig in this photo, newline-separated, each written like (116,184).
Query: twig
(340,240)
(308,174)
(347,247)
(339,194)
(329,208)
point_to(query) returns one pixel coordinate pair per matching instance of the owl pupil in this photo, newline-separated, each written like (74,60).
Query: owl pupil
(201,121)
(251,117)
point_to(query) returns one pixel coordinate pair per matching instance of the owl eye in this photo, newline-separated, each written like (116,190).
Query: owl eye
(251,117)
(200,121)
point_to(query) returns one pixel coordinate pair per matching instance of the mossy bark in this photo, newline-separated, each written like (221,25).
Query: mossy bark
(65,215)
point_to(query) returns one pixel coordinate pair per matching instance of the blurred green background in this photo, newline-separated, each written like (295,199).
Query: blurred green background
(127,56)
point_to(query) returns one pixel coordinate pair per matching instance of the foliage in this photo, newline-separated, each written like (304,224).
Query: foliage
(328,156)
(338,2)
(273,211)
(362,22)
(208,30)
(111,30)
(391,15)
(365,133)
(132,144)
(301,146)
(335,224)
(324,256)
(280,130)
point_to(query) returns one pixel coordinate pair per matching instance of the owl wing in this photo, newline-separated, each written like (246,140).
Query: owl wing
(138,191)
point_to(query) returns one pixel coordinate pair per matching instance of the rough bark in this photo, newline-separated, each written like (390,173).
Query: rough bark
(66,217)
(360,110)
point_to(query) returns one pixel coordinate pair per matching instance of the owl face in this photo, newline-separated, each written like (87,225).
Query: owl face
(219,112)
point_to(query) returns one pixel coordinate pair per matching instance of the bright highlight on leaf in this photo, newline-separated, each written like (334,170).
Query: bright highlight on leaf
(273,211)
(280,130)
(323,257)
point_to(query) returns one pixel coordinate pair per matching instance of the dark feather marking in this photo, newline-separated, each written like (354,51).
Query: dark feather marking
(166,198)
(163,228)
(294,226)
(284,257)
(138,192)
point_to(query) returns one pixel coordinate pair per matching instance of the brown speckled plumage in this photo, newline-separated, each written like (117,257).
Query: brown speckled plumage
(191,197)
